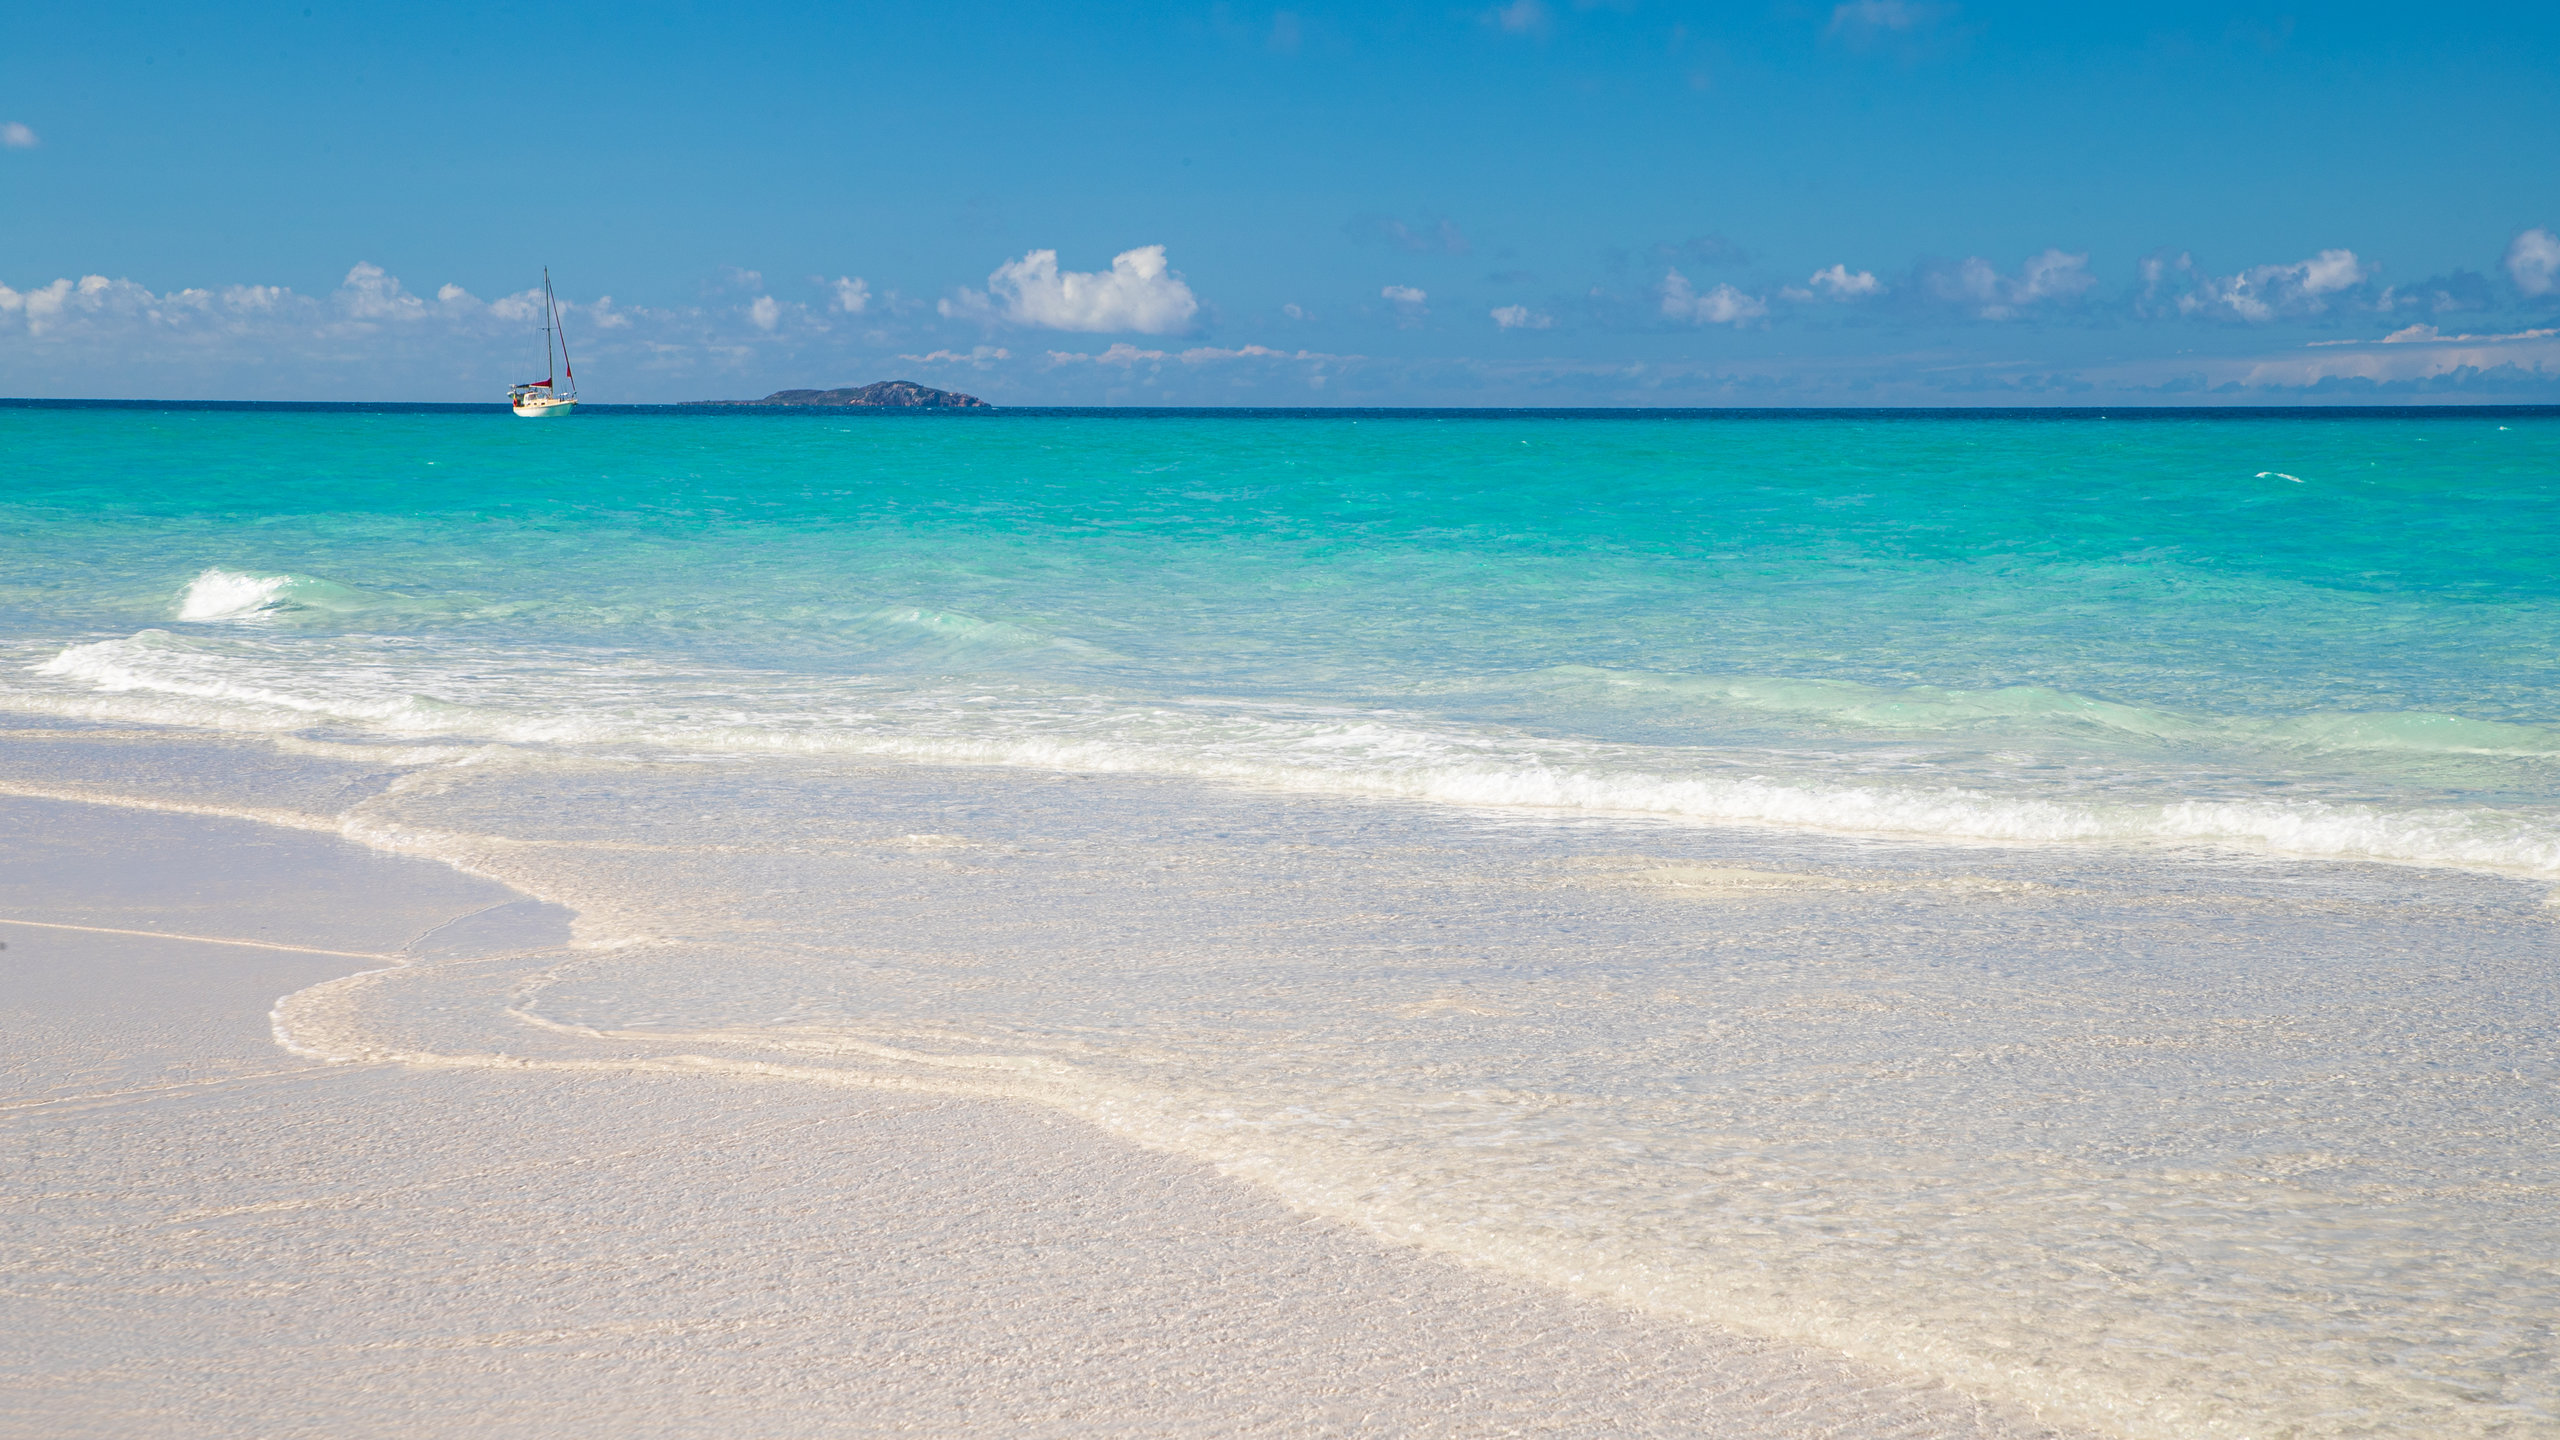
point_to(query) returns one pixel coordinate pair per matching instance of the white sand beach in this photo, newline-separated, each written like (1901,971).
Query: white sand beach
(203,1235)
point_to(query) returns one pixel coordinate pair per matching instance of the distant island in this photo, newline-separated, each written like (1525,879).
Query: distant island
(885,395)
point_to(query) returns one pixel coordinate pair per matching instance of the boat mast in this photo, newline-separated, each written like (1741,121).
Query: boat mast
(566,368)
(550,321)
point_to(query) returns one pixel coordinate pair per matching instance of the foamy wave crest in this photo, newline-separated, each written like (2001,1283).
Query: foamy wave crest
(408,690)
(158,664)
(2474,837)
(220,595)
(228,595)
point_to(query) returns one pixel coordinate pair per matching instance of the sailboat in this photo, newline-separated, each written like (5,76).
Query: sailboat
(537,398)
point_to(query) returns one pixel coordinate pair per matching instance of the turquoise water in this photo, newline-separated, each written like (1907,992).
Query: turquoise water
(2340,631)
(2162,766)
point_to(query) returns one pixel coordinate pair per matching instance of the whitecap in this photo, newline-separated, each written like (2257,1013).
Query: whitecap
(220,594)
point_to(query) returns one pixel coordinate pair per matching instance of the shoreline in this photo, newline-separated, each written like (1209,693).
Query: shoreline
(307,1248)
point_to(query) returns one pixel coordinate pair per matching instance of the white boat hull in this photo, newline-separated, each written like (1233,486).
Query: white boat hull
(535,409)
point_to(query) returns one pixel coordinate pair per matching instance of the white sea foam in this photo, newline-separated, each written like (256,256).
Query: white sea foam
(410,690)
(219,594)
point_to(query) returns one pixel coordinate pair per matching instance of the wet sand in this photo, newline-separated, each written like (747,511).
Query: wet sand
(204,1235)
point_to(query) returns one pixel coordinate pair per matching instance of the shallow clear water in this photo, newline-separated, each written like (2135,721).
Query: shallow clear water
(2051,903)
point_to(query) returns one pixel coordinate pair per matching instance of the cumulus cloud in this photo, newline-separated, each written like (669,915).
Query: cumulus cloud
(2262,292)
(1520,17)
(371,293)
(1723,305)
(1139,292)
(1842,283)
(2533,262)
(115,313)
(1521,317)
(17,135)
(2444,294)
(1978,286)
(1412,306)
(95,334)
(851,296)
(765,311)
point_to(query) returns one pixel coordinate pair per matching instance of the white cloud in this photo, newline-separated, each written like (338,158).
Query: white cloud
(2264,292)
(1294,310)
(852,297)
(1979,286)
(1121,353)
(1520,17)
(1137,293)
(979,357)
(522,307)
(371,293)
(18,136)
(370,337)
(2331,271)
(765,312)
(1842,283)
(2533,262)
(118,312)
(1723,305)
(2430,335)
(2053,275)
(1412,306)
(2524,355)
(1204,354)
(1521,317)
(1126,355)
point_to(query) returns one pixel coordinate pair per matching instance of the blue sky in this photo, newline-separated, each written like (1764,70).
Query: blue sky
(1536,202)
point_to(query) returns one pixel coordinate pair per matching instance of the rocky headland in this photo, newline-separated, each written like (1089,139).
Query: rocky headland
(884,395)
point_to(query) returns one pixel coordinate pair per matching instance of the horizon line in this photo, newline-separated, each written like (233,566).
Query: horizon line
(991,410)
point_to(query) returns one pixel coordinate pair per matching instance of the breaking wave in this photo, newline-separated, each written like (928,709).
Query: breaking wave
(412,689)
(220,595)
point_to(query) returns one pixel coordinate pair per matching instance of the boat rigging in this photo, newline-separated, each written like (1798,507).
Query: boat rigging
(535,399)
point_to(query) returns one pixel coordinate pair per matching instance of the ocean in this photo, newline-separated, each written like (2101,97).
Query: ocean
(2055,903)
